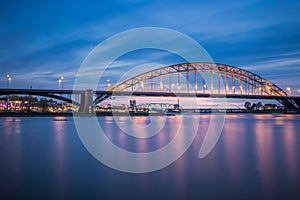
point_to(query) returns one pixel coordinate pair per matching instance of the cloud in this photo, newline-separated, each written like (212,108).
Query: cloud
(243,33)
(282,62)
(283,69)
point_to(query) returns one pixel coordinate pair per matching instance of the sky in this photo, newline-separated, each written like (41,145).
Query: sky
(41,41)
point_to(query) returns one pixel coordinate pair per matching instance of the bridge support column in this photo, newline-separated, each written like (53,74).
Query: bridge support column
(297,101)
(86,102)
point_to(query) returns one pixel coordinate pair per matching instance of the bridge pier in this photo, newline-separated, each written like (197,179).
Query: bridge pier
(291,105)
(86,104)
(297,101)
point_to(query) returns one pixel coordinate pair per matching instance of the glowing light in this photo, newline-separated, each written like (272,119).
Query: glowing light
(8,81)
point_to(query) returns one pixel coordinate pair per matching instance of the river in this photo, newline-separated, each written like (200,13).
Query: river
(256,157)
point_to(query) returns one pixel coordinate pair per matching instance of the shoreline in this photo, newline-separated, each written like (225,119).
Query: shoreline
(129,114)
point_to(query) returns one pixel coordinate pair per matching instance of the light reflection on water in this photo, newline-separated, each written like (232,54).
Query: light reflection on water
(257,156)
(264,143)
(59,164)
(291,156)
(233,136)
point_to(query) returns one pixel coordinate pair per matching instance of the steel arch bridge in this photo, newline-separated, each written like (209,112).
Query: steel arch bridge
(181,80)
(206,79)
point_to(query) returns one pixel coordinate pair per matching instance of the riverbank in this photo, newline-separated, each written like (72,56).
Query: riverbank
(33,114)
(204,111)
(49,114)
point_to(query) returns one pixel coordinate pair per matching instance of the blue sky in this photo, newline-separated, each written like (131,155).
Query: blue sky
(44,40)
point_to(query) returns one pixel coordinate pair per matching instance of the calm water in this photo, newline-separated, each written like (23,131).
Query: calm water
(257,157)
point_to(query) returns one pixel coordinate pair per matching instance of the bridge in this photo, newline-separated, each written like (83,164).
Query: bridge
(200,80)
(155,106)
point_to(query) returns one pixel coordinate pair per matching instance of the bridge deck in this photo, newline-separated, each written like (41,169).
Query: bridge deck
(128,93)
(289,101)
(170,94)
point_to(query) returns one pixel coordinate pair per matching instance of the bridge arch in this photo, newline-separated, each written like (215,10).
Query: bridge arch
(200,77)
(208,79)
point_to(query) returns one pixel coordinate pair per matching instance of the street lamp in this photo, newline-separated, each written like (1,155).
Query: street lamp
(59,83)
(8,86)
(62,81)
(108,84)
(8,81)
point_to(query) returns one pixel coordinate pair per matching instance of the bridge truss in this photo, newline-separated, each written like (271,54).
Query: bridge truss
(200,78)
(204,78)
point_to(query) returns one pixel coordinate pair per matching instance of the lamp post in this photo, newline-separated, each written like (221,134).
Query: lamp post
(204,87)
(8,81)
(59,84)
(62,82)
(108,83)
(8,86)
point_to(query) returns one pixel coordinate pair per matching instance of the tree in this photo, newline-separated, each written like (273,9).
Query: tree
(248,105)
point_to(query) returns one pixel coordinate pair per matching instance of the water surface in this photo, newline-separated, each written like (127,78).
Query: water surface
(256,157)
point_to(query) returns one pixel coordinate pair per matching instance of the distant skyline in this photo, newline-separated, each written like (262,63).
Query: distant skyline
(42,41)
